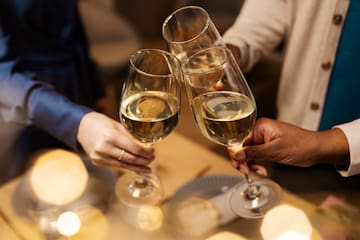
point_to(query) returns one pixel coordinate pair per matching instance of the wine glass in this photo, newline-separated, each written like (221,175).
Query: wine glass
(189,29)
(149,109)
(224,109)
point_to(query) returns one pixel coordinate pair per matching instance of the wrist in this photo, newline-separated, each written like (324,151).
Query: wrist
(236,52)
(334,148)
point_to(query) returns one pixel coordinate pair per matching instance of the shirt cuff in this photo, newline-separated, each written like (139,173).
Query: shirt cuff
(352,133)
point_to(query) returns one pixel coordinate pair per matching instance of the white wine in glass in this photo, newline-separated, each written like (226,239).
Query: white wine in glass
(149,109)
(224,109)
(188,30)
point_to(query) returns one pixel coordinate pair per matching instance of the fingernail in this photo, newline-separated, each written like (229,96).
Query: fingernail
(261,172)
(244,169)
(235,164)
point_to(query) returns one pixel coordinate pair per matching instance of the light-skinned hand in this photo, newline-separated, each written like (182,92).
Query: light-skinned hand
(103,140)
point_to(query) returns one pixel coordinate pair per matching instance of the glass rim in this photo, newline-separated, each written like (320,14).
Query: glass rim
(167,19)
(225,59)
(166,53)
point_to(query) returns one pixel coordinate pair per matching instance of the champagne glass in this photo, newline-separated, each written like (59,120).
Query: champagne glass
(224,109)
(149,109)
(189,29)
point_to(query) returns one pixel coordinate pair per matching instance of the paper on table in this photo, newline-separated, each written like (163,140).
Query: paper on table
(6,232)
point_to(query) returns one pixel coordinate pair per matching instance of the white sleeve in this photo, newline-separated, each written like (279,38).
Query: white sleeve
(258,29)
(352,133)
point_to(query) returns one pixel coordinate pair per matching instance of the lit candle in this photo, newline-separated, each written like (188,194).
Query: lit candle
(68,223)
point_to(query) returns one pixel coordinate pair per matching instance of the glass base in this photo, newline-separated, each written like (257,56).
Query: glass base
(269,195)
(139,189)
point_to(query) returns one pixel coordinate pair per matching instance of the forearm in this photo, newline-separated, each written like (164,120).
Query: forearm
(56,115)
(27,102)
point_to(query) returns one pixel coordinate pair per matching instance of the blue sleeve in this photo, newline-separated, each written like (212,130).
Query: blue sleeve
(27,102)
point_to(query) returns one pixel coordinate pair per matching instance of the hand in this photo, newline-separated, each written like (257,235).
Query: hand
(285,143)
(104,140)
(236,52)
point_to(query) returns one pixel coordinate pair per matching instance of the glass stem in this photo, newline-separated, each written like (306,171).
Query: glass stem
(252,191)
(140,182)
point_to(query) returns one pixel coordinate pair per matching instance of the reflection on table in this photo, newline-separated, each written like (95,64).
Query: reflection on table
(184,166)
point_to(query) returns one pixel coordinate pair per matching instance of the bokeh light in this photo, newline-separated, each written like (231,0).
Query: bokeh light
(286,222)
(58,177)
(150,218)
(68,223)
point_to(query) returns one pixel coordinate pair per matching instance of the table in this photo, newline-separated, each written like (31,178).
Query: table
(178,161)
(6,231)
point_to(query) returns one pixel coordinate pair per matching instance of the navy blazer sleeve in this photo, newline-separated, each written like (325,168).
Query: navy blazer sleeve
(28,102)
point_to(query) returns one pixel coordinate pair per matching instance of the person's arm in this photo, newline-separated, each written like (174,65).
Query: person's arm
(258,29)
(285,143)
(24,101)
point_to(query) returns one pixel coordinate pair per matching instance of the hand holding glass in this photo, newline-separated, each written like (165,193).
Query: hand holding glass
(225,111)
(149,109)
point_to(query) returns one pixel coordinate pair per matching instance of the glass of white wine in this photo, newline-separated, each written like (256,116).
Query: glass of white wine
(189,29)
(224,109)
(149,109)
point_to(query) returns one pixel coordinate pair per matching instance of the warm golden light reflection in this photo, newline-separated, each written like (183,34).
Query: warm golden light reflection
(286,222)
(58,177)
(226,236)
(150,218)
(68,223)
(94,225)
(194,210)
(291,235)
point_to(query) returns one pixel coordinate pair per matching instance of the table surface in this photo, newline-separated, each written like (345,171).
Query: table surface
(179,160)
